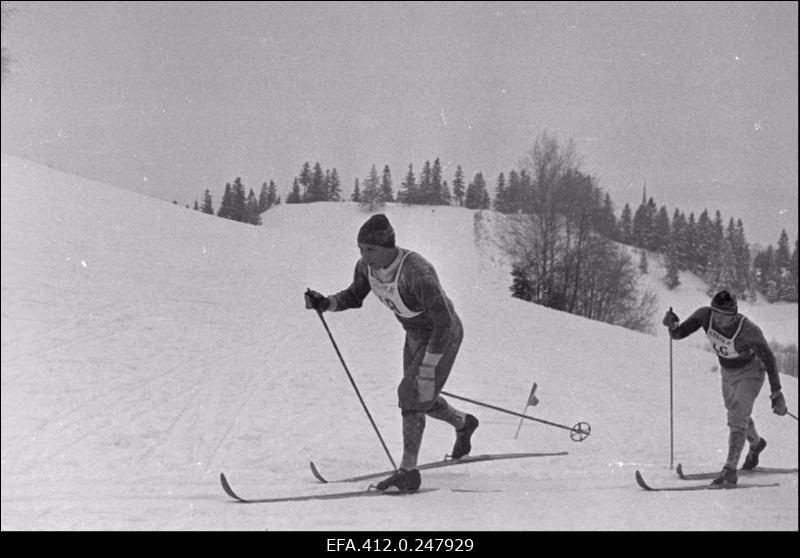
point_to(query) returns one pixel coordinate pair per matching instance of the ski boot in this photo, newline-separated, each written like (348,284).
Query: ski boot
(463,443)
(751,461)
(727,477)
(403,480)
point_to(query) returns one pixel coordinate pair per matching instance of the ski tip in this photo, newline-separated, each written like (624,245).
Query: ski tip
(640,481)
(316,473)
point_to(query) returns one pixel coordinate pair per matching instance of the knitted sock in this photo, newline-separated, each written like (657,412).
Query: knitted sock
(413,427)
(442,410)
(751,434)
(736,441)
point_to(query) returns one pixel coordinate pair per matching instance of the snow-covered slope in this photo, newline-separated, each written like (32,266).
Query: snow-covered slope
(147,347)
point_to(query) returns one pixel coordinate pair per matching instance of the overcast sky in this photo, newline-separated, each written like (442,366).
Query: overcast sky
(696,100)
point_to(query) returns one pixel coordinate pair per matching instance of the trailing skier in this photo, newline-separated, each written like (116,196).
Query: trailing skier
(745,359)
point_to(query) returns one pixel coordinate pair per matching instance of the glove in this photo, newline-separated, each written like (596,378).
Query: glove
(316,301)
(778,403)
(670,320)
(426,383)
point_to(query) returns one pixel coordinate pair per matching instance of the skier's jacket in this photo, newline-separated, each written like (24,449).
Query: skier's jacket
(748,341)
(421,292)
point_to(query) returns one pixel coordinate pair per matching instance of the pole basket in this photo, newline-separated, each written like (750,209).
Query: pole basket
(580,431)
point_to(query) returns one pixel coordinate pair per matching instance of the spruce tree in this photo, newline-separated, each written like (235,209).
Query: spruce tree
(425,184)
(295,196)
(626,226)
(334,187)
(226,206)
(356,195)
(477,197)
(672,278)
(793,273)
(500,200)
(305,182)
(208,206)
(783,262)
(387,192)
(409,192)
(263,198)
(370,193)
(458,186)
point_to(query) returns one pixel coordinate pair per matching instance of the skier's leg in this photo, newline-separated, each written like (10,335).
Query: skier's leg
(413,428)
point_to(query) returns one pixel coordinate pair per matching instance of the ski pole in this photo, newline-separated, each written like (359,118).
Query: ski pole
(319,313)
(791,415)
(578,433)
(671,434)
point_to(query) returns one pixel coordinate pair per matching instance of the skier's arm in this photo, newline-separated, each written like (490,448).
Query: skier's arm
(752,335)
(354,295)
(692,324)
(425,287)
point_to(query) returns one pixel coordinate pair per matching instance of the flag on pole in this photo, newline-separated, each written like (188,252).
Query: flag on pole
(532,402)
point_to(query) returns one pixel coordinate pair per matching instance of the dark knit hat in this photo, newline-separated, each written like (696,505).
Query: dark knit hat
(377,231)
(724,303)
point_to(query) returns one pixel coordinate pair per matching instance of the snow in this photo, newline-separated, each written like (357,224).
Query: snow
(146,348)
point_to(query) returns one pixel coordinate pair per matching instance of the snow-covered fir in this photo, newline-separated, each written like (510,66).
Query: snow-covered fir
(147,347)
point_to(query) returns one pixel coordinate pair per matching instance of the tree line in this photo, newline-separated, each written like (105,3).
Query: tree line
(567,226)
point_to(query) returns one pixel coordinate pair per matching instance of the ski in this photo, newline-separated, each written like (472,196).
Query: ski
(741,472)
(331,496)
(442,463)
(640,481)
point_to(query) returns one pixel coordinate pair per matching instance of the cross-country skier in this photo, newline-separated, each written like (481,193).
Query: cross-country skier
(745,358)
(409,286)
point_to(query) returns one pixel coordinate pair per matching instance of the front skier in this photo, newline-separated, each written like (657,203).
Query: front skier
(409,286)
(744,357)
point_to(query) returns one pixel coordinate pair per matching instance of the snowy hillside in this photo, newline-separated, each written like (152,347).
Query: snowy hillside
(147,347)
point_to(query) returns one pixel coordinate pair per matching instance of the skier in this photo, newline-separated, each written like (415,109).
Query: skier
(744,357)
(409,286)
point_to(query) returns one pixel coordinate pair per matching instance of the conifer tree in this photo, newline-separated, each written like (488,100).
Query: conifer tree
(672,278)
(458,186)
(425,185)
(251,214)
(500,199)
(263,199)
(477,197)
(793,274)
(272,195)
(239,200)
(317,190)
(783,262)
(295,196)
(226,206)
(626,226)
(305,182)
(356,195)
(208,207)
(334,187)
(387,192)
(409,192)
(370,193)
(436,197)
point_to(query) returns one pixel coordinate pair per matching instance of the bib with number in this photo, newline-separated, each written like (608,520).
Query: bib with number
(389,294)
(724,346)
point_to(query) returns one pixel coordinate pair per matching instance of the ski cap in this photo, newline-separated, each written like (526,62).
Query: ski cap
(377,231)
(724,303)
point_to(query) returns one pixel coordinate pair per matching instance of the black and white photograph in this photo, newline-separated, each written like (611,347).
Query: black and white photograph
(399,275)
